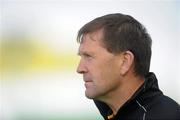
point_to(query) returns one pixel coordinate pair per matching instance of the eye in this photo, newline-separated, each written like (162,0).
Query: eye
(87,55)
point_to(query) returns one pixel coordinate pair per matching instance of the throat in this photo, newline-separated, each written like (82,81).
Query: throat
(124,94)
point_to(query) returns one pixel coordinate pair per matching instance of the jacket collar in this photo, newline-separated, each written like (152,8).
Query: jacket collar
(142,94)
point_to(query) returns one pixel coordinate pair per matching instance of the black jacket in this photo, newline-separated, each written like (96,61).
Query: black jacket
(148,103)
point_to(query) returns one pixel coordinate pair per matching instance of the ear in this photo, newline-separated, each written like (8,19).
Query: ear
(127,59)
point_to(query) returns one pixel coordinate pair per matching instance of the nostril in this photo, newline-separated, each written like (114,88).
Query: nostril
(80,72)
(81,69)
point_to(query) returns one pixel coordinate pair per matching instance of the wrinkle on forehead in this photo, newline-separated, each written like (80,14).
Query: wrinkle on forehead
(91,41)
(94,36)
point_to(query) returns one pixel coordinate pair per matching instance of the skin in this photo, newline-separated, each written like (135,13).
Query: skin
(108,77)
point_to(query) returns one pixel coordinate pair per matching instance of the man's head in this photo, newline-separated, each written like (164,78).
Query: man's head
(123,33)
(111,47)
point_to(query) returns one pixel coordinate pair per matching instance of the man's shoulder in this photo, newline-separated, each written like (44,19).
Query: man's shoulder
(163,101)
(163,107)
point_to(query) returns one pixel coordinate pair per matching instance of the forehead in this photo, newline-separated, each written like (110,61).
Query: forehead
(94,36)
(92,41)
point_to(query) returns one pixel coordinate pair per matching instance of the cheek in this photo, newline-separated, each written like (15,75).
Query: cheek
(103,73)
(110,74)
(102,77)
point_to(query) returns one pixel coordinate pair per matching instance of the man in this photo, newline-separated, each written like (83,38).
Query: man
(115,53)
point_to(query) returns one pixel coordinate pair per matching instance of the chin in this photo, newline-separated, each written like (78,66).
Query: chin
(92,96)
(89,95)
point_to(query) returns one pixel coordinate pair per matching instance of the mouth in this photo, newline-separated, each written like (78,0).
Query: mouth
(87,80)
(87,83)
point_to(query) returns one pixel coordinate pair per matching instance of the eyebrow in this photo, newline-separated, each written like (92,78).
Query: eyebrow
(85,53)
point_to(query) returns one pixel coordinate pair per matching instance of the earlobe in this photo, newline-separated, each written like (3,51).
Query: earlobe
(127,62)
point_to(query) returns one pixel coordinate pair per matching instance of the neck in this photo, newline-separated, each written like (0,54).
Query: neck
(122,94)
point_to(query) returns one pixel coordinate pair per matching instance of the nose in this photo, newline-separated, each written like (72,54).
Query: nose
(81,69)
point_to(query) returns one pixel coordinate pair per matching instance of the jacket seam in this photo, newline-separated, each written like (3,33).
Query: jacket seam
(144,109)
